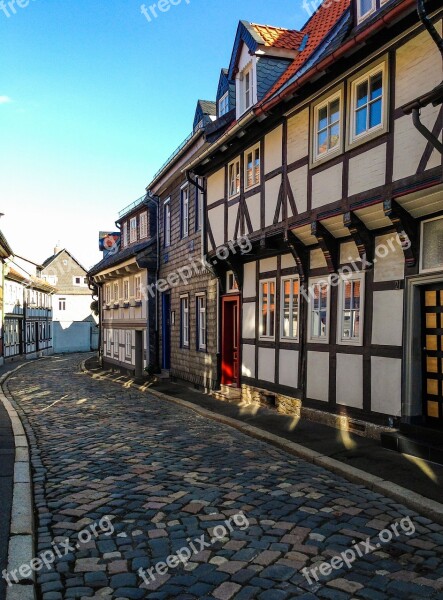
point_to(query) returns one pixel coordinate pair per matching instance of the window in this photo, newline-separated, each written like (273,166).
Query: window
(198,207)
(319,291)
(252,167)
(143,225)
(184,310)
(128,344)
(116,293)
(267,309)
(52,280)
(201,322)
(138,287)
(290,300)
(126,290)
(133,230)
(231,283)
(223,105)
(431,255)
(248,88)
(116,340)
(79,281)
(185,212)
(350,317)
(234,178)
(368,104)
(327,127)
(62,303)
(125,234)
(365,8)
(167,216)
(108,294)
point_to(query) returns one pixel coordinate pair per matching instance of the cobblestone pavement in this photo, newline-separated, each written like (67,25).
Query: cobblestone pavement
(166,477)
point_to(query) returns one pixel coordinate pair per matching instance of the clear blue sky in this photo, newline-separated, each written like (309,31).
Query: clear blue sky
(94,98)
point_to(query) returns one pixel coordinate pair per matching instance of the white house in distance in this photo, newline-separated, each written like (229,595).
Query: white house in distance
(75,326)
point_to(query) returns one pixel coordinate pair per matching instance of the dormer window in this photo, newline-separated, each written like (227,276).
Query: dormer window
(223,105)
(365,8)
(246,89)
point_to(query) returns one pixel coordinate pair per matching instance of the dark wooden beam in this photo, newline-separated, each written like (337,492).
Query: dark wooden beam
(300,254)
(407,230)
(363,237)
(329,245)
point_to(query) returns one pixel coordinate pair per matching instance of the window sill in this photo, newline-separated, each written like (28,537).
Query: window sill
(321,160)
(357,343)
(253,188)
(364,138)
(318,341)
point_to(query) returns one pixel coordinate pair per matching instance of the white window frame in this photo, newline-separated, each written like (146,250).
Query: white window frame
(283,337)
(262,282)
(247,92)
(223,105)
(108,341)
(314,339)
(361,17)
(201,320)
(133,230)
(354,341)
(326,101)
(138,287)
(167,223)
(116,286)
(108,293)
(380,67)
(184,321)
(422,227)
(125,235)
(62,304)
(255,168)
(128,345)
(184,211)
(231,288)
(116,339)
(126,290)
(236,166)
(143,226)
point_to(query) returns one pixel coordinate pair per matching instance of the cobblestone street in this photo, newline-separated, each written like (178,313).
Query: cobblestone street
(167,477)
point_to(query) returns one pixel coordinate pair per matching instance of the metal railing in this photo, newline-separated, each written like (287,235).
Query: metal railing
(131,206)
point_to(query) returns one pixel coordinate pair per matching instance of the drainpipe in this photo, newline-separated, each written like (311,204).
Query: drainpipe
(429,25)
(156,200)
(202,190)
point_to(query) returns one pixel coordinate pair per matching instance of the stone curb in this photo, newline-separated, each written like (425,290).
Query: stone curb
(22,531)
(424,506)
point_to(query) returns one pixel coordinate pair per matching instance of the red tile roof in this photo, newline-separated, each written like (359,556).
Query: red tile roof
(316,29)
(277,37)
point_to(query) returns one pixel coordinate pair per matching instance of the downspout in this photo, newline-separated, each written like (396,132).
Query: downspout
(429,25)
(202,190)
(156,201)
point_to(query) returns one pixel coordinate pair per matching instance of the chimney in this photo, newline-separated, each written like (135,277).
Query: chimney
(57,248)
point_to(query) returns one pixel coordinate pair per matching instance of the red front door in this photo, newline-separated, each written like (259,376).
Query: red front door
(231,340)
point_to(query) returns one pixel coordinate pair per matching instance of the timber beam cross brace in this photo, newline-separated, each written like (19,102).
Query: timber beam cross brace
(300,254)
(406,227)
(329,245)
(364,239)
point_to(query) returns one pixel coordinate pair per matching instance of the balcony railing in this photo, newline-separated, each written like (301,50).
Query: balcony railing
(131,206)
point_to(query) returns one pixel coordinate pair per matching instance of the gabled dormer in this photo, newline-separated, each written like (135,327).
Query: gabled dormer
(205,113)
(260,56)
(225,94)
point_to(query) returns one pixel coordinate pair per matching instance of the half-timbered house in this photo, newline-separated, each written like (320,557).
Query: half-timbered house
(187,291)
(124,281)
(321,165)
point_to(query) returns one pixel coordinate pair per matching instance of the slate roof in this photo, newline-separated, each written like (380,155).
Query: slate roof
(208,107)
(314,32)
(120,257)
(49,260)
(278,37)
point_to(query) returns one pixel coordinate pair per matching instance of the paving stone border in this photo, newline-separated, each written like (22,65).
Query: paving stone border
(425,506)
(22,529)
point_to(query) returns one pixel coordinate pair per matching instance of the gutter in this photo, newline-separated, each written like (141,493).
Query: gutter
(355,41)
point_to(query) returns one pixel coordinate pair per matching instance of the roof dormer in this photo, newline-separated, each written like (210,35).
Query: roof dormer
(225,94)
(261,54)
(366,8)
(205,113)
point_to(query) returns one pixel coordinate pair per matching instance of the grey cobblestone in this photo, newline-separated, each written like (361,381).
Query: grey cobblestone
(167,477)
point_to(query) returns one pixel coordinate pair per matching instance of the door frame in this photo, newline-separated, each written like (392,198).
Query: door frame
(412,400)
(227,299)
